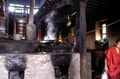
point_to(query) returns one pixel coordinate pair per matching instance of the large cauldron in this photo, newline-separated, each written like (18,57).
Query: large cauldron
(54,47)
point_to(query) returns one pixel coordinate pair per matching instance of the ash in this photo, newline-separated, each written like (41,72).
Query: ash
(61,72)
(15,63)
(14,75)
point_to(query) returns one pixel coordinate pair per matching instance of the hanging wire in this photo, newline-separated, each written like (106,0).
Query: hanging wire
(74,13)
(113,23)
(106,26)
(59,20)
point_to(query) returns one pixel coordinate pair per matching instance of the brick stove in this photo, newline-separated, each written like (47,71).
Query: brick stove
(19,63)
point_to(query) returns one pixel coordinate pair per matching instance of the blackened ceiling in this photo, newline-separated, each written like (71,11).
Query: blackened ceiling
(96,10)
(102,9)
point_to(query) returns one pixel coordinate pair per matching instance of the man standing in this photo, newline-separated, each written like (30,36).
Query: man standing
(112,61)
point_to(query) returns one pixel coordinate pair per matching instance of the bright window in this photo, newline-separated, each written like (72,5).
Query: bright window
(20,8)
(104,31)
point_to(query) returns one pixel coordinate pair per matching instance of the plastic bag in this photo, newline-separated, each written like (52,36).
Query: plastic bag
(104,75)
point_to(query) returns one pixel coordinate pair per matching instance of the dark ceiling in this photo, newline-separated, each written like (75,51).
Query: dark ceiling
(102,9)
(96,10)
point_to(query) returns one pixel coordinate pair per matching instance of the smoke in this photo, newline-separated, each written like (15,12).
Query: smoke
(51,31)
(41,3)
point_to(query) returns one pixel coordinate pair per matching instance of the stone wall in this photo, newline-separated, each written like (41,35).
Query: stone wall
(3,70)
(39,67)
(74,69)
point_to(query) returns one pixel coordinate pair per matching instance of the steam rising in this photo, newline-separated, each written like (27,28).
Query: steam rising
(51,33)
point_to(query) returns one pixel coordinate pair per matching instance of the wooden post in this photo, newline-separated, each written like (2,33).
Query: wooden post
(31,17)
(7,19)
(89,66)
(81,37)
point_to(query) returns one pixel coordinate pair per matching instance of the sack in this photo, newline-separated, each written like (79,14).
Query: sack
(104,75)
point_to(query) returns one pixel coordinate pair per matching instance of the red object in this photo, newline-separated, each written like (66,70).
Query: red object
(113,62)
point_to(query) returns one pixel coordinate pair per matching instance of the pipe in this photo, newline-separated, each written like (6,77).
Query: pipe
(31,17)
(30,27)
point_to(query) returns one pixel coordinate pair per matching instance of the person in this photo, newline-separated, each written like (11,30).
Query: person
(112,61)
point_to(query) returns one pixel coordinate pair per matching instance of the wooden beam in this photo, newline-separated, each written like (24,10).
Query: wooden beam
(81,37)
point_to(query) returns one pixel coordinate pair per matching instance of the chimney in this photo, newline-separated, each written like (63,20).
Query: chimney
(31,28)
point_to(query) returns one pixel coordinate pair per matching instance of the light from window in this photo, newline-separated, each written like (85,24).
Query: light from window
(11,9)
(20,9)
(104,31)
